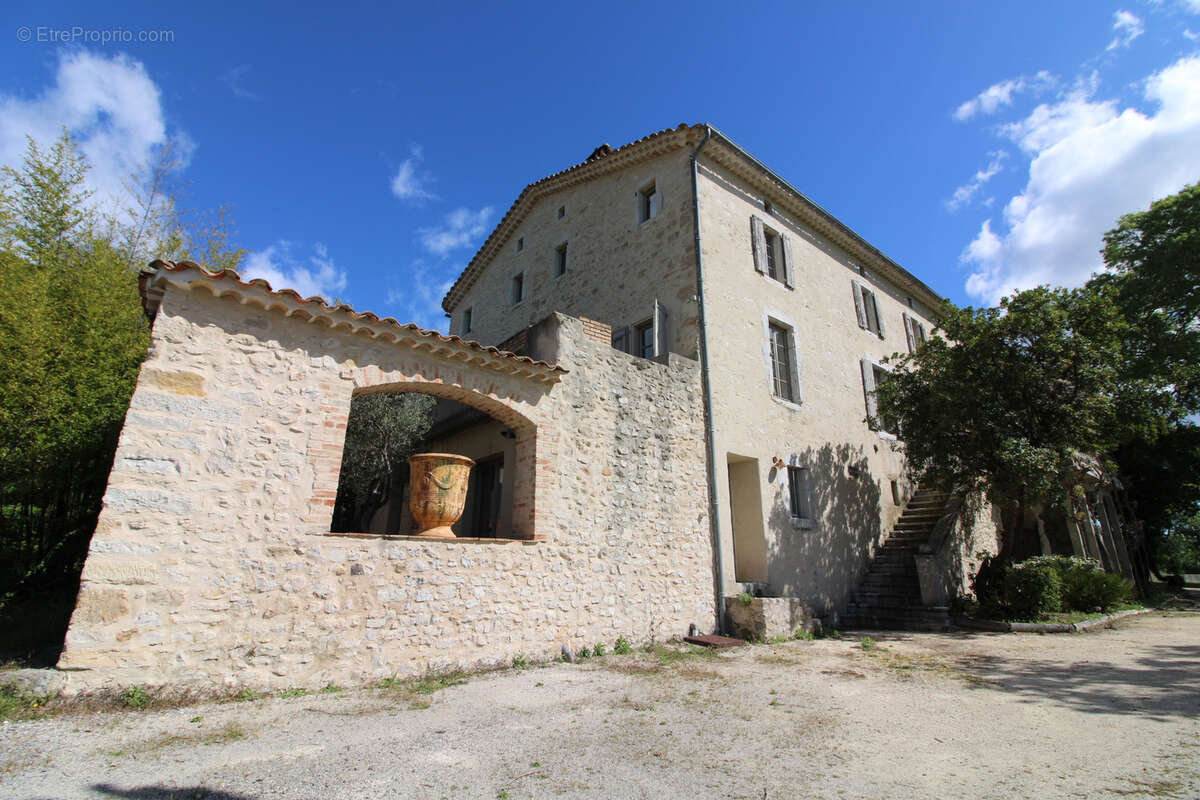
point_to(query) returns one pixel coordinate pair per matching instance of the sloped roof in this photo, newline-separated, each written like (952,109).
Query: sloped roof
(153,280)
(722,150)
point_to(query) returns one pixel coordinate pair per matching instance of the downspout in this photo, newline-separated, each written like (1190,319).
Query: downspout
(710,440)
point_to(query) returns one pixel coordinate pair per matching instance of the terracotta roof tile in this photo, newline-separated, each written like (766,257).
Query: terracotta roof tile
(228,275)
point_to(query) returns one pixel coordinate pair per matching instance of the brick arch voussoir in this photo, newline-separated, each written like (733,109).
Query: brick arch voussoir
(501,409)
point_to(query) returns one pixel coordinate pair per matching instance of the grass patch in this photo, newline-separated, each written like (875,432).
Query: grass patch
(294,691)
(17,704)
(417,690)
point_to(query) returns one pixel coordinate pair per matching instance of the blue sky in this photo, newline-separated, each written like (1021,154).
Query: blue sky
(366,153)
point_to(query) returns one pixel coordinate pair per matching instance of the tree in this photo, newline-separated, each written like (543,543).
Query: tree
(382,431)
(1153,278)
(1003,399)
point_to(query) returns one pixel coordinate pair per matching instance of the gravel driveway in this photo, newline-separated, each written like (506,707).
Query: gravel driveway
(1112,713)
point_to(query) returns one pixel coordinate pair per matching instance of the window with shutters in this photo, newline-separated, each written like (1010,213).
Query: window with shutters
(867,309)
(782,355)
(620,339)
(648,202)
(914,332)
(643,339)
(800,497)
(874,375)
(466,321)
(772,252)
(560,260)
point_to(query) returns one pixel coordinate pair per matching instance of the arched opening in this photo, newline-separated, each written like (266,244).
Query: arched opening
(387,423)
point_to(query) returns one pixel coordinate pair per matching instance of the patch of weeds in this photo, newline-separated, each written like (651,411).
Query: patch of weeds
(519,661)
(689,652)
(17,704)
(230,732)
(868,644)
(622,646)
(599,651)
(196,718)
(828,633)
(745,598)
(502,795)
(802,635)
(583,654)
(441,680)
(330,688)
(248,695)
(135,697)
(295,691)
(779,639)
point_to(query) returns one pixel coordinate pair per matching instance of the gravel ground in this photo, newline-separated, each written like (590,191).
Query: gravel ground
(1112,713)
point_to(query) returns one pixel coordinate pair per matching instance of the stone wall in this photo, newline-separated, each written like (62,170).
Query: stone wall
(212,562)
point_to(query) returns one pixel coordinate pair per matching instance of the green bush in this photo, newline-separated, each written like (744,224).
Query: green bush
(1032,590)
(1085,586)
(622,646)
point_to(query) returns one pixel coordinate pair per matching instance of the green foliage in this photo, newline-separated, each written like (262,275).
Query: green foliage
(802,635)
(868,643)
(247,695)
(599,650)
(622,646)
(295,691)
(584,653)
(135,697)
(745,598)
(18,704)
(1041,376)
(382,431)
(1032,590)
(519,661)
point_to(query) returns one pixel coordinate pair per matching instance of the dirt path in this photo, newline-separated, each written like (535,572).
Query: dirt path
(1113,713)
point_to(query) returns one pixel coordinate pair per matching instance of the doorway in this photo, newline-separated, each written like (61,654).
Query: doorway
(746,517)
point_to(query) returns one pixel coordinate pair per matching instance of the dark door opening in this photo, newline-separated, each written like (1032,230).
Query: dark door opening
(487,483)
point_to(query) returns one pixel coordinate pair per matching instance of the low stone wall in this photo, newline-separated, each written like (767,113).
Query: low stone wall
(212,562)
(761,618)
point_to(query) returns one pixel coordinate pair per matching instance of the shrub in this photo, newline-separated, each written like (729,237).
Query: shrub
(1031,590)
(988,585)
(135,697)
(1098,590)
(622,646)
(599,650)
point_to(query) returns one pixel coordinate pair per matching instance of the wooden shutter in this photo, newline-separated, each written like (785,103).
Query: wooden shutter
(758,241)
(787,261)
(878,315)
(858,304)
(655,203)
(909,334)
(620,339)
(868,376)
(660,329)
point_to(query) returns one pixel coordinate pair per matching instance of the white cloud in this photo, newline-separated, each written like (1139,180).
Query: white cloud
(317,275)
(408,184)
(460,228)
(1187,34)
(1001,94)
(109,104)
(233,79)
(1090,163)
(963,194)
(1127,27)
(1191,5)
(421,300)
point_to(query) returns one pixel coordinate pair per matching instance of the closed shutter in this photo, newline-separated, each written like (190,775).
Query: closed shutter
(868,376)
(660,329)
(758,240)
(655,203)
(878,316)
(620,339)
(909,334)
(788,269)
(858,303)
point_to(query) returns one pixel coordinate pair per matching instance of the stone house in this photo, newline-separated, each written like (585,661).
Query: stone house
(662,360)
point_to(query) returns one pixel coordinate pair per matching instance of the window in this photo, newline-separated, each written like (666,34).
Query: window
(520,243)
(782,383)
(772,252)
(800,500)
(518,288)
(560,260)
(466,321)
(874,376)
(562,211)
(620,339)
(867,308)
(643,339)
(914,331)
(648,202)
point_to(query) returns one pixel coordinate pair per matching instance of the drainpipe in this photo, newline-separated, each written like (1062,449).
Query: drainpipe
(705,377)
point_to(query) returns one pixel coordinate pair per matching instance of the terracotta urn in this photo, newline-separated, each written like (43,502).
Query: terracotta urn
(438,491)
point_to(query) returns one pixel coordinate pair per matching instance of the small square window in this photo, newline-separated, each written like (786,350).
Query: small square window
(800,502)
(562,211)
(517,293)
(648,202)
(520,243)
(560,260)
(466,321)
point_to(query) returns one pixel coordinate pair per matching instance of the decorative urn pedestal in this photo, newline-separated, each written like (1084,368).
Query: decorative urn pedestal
(438,491)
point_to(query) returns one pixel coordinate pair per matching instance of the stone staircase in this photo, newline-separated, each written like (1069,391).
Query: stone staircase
(889,597)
